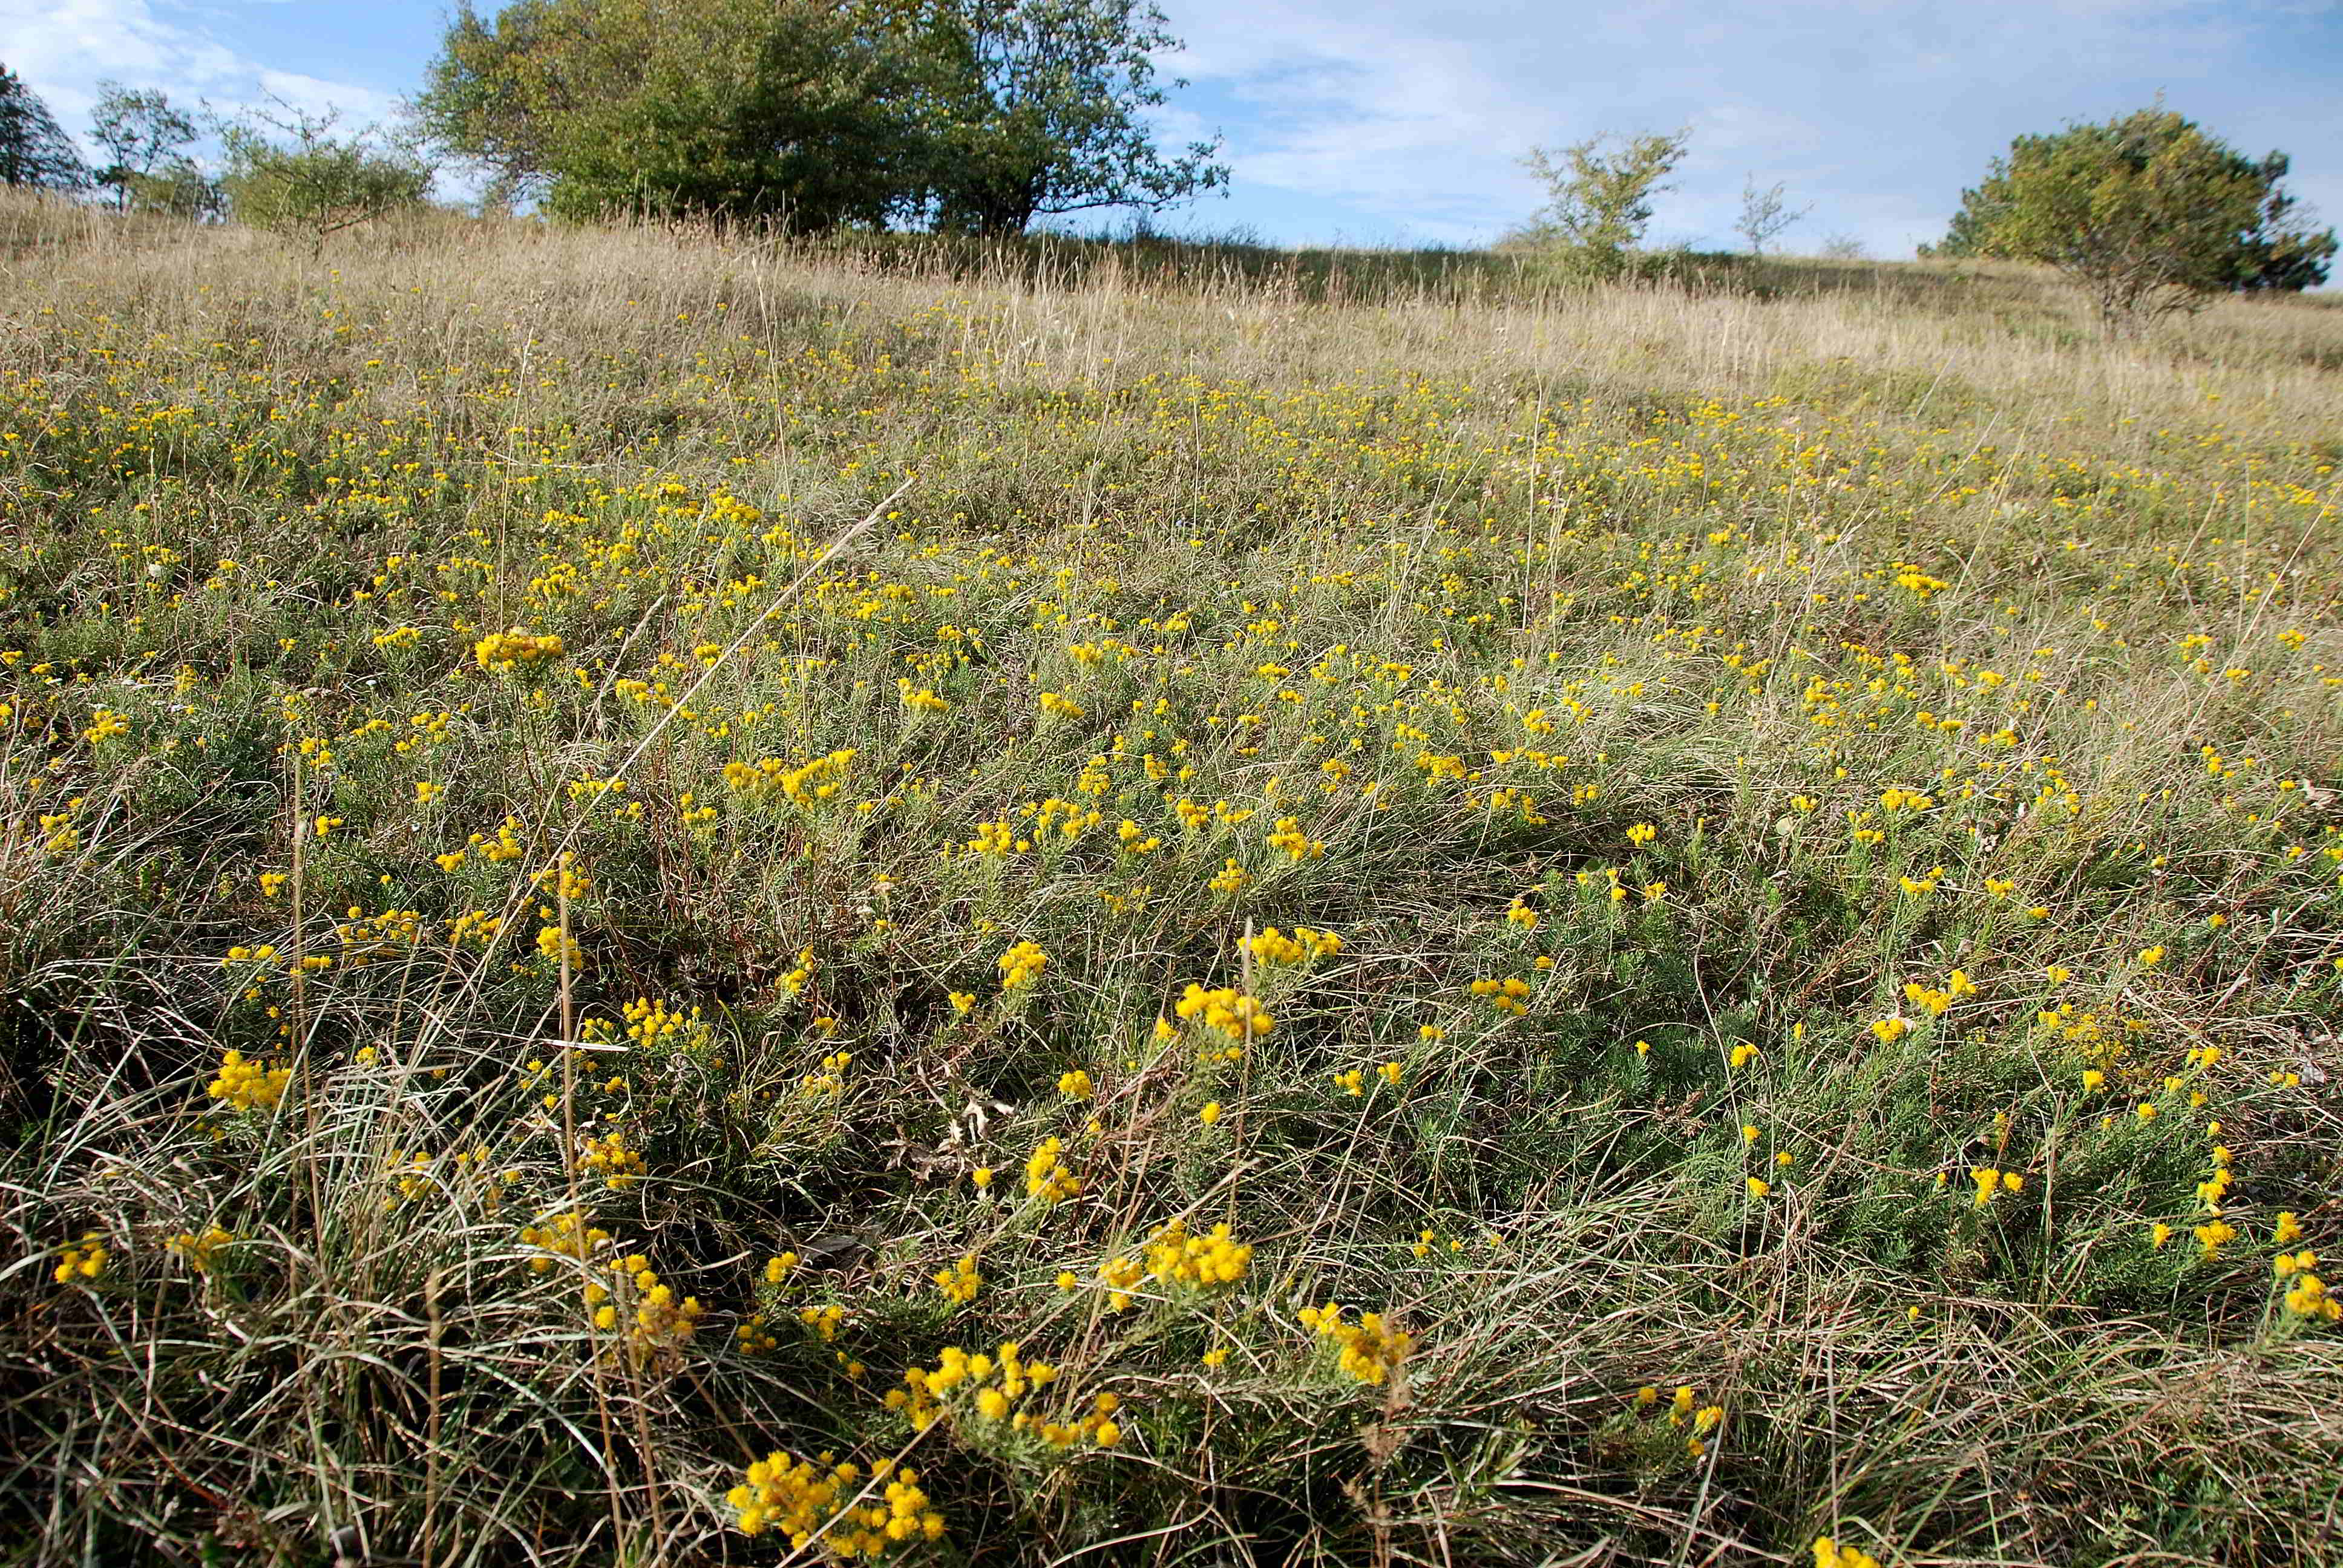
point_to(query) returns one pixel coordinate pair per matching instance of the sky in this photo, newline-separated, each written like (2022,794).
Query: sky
(1373,121)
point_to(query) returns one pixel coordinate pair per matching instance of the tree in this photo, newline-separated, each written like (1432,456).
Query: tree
(794,113)
(177,188)
(2146,211)
(319,183)
(1764,214)
(139,130)
(798,111)
(976,115)
(494,90)
(34,150)
(1599,195)
(1037,112)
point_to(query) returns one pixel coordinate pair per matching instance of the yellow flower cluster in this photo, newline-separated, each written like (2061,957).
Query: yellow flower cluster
(502,650)
(2308,1296)
(1274,947)
(1022,965)
(1225,1010)
(654,1023)
(1121,1276)
(365,937)
(619,1166)
(565,1234)
(1508,996)
(829,1082)
(961,1281)
(2216,1187)
(83,1261)
(1933,1001)
(794,1499)
(919,701)
(1076,1085)
(1046,1176)
(555,949)
(807,784)
(505,846)
(200,1250)
(1369,1351)
(1828,1553)
(754,1337)
(1177,1258)
(248,1085)
(1684,1410)
(994,1385)
(1990,1182)
(659,1326)
(1097,1426)
(1298,845)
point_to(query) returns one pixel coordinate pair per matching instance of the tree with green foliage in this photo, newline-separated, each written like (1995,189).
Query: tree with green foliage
(1038,109)
(794,113)
(304,180)
(2146,211)
(798,112)
(976,115)
(496,90)
(1599,196)
(139,130)
(35,151)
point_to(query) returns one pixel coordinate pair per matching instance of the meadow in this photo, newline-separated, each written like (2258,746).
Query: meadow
(671,898)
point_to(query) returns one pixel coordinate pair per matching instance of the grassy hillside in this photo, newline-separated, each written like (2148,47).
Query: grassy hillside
(670,900)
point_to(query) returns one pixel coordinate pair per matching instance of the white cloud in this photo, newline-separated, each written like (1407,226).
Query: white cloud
(65,48)
(1877,111)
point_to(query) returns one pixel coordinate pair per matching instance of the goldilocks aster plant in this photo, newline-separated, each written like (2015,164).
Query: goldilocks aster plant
(668,900)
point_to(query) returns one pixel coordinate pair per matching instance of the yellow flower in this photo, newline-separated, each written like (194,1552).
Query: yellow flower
(961,1281)
(1046,1175)
(84,1260)
(1022,965)
(1828,1553)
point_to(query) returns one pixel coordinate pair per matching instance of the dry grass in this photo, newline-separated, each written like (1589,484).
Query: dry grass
(1464,574)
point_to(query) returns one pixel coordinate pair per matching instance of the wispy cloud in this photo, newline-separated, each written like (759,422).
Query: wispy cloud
(65,48)
(1875,111)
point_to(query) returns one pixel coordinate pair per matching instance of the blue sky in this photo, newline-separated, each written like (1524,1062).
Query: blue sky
(1371,121)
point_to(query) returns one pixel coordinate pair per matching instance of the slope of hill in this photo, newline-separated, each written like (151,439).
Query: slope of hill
(1207,906)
